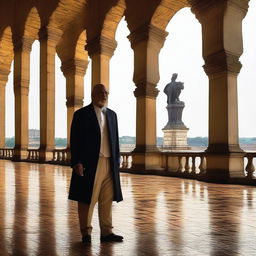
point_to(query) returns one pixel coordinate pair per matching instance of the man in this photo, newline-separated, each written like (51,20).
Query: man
(94,146)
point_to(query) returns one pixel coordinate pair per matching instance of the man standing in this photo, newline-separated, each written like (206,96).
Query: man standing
(94,146)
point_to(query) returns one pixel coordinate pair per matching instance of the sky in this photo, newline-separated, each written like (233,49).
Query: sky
(181,53)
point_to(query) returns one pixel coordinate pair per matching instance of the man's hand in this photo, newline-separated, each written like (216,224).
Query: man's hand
(79,169)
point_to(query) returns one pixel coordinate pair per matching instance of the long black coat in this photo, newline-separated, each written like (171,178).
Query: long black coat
(85,140)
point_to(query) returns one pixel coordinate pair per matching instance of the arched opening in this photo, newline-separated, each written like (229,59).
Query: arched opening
(31,29)
(34,100)
(246,82)
(9,111)
(7,99)
(121,98)
(60,106)
(182,54)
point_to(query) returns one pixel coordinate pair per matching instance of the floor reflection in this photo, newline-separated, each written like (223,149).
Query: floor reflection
(159,216)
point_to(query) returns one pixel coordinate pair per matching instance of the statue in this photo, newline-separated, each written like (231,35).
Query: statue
(173,90)
(175,132)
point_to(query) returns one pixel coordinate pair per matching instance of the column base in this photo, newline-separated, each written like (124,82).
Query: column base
(146,161)
(224,165)
(45,155)
(19,154)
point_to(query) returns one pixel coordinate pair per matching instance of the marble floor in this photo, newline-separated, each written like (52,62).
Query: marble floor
(159,216)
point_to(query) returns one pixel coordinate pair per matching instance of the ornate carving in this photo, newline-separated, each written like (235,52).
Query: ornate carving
(222,61)
(145,89)
(101,45)
(146,33)
(74,67)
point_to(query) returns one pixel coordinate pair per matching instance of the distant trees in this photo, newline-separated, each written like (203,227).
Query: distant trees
(196,141)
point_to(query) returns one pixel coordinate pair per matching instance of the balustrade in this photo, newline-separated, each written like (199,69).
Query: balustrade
(179,164)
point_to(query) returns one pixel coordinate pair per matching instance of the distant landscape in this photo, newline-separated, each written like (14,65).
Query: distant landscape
(128,142)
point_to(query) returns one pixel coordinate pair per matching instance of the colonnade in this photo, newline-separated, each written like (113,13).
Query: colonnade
(222,46)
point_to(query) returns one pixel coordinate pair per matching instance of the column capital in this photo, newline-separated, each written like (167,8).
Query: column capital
(222,61)
(201,8)
(102,45)
(148,32)
(50,34)
(146,89)
(74,101)
(74,66)
(22,44)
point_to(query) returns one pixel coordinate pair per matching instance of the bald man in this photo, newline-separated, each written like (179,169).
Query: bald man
(94,146)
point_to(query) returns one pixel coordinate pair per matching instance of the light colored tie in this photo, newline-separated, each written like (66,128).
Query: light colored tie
(101,121)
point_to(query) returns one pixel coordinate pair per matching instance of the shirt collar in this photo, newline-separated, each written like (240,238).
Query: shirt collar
(98,109)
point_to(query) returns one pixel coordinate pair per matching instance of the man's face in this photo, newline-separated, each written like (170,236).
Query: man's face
(100,95)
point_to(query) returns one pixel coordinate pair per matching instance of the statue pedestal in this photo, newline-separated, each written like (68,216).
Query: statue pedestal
(175,132)
(175,139)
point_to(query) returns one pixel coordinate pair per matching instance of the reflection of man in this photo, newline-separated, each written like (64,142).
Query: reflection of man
(94,146)
(173,90)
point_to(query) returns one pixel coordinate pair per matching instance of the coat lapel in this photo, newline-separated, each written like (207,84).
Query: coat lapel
(94,118)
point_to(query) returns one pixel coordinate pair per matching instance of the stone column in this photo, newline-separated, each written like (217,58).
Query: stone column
(74,71)
(3,80)
(222,46)
(22,48)
(100,50)
(146,42)
(48,39)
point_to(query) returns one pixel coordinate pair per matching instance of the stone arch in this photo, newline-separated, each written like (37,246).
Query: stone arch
(80,52)
(112,19)
(6,49)
(69,9)
(32,24)
(165,11)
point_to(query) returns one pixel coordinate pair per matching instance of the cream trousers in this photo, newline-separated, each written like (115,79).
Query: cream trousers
(103,194)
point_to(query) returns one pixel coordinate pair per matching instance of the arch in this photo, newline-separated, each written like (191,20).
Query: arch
(177,56)
(32,24)
(6,49)
(112,19)
(165,11)
(80,52)
(70,9)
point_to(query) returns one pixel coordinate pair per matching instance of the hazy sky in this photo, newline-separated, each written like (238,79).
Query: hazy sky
(182,54)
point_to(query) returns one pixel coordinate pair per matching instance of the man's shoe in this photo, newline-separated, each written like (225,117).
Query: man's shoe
(86,239)
(111,238)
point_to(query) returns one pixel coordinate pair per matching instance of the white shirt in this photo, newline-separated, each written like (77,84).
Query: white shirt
(104,145)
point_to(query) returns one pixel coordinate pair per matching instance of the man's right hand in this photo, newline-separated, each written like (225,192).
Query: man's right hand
(79,169)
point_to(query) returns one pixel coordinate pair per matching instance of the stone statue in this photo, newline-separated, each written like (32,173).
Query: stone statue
(173,90)
(175,132)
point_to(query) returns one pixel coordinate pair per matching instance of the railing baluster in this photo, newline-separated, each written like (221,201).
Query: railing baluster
(193,168)
(250,167)
(180,167)
(187,167)
(202,165)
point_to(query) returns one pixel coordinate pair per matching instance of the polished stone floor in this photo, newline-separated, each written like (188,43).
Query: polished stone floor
(159,216)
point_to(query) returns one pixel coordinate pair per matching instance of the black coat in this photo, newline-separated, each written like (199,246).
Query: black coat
(85,139)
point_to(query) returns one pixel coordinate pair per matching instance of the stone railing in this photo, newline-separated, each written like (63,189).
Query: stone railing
(60,156)
(184,164)
(249,165)
(179,164)
(33,154)
(187,164)
(6,153)
(125,160)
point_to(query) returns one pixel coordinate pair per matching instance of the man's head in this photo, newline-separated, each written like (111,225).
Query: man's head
(99,95)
